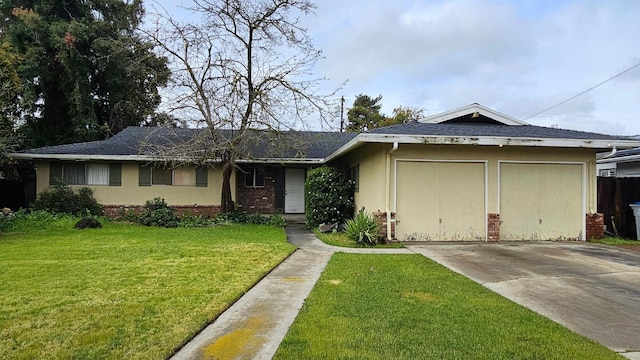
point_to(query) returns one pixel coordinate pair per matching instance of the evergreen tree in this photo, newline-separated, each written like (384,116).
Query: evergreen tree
(85,73)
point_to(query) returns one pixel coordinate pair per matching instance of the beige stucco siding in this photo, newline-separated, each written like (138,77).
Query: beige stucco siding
(370,159)
(541,201)
(130,193)
(439,200)
(414,189)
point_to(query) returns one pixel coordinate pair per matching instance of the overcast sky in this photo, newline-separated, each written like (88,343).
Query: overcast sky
(517,57)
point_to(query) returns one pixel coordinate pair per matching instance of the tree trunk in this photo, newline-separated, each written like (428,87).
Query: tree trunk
(226,202)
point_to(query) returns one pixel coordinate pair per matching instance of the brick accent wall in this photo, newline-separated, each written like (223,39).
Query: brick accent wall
(595,226)
(117,211)
(256,199)
(493,227)
(381,219)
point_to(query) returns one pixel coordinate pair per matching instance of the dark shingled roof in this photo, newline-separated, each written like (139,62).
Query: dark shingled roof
(131,141)
(490,130)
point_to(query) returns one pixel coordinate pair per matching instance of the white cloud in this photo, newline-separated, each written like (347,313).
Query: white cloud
(518,57)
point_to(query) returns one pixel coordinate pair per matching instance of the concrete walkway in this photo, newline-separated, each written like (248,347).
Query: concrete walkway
(254,326)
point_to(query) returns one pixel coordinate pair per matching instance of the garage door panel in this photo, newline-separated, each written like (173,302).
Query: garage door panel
(440,201)
(541,201)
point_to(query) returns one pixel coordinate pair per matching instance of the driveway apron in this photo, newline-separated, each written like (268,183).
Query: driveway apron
(592,289)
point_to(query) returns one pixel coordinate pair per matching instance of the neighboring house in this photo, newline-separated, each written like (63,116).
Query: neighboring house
(467,174)
(623,163)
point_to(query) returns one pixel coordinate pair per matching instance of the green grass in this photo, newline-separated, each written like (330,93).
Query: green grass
(341,239)
(124,291)
(408,307)
(615,241)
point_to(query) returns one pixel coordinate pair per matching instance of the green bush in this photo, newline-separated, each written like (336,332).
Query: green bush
(329,196)
(239,217)
(189,220)
(41,220)
(363,228)
(6,221)
(156,212)
(61,199)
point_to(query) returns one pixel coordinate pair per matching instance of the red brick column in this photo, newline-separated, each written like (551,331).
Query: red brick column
(595,226)
(381,219)
(493,227)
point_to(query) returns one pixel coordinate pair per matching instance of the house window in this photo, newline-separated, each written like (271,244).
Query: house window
(161,176)
(254,177)
(354,173)
(78,173)
(607,173)
(149,175)
(180,176)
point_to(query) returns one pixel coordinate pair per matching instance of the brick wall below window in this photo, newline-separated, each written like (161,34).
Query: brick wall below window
(256,199)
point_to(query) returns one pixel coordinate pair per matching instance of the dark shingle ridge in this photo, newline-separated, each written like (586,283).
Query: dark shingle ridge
(490,130)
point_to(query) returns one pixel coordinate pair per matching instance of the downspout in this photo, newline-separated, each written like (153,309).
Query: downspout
(388,190)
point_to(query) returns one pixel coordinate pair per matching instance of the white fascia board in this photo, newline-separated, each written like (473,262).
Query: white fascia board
(79,157)
(73,157)
(470,109)
(498,141)
(300,161)
(621,159)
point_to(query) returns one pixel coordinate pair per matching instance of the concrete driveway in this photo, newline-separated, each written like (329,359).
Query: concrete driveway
(592,289)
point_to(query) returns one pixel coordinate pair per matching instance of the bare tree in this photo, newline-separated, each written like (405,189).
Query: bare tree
(245,68)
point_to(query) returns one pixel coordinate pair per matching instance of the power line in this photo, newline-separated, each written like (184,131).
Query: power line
(583,92)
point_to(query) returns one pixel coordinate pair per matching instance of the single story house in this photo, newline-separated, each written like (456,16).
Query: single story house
(467,174)
(623,163)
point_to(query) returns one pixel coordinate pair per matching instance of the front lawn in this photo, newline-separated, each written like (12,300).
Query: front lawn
(124,291)
(409,307)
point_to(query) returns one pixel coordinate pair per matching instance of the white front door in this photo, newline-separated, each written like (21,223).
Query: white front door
(294,191)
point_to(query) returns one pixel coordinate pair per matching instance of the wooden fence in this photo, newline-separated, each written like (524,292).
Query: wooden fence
(614,197)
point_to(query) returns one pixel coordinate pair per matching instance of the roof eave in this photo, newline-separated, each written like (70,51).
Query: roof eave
(619,159)
(499,141)
(77,157)
(290,161)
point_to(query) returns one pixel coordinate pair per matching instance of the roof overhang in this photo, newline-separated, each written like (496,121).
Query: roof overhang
(483,141)
(74,157)
(620,159)
(474,110)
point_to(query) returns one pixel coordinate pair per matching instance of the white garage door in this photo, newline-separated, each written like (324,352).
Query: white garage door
(440,201)
(541,201)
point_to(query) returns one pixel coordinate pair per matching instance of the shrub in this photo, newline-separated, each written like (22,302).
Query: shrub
(244,218)
(189,220)
(363,228)
(6,220)
(157,213)
(329,196)
(41,220)
(61,199)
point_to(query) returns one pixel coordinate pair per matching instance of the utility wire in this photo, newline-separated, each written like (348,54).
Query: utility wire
(583,92)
